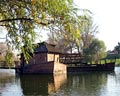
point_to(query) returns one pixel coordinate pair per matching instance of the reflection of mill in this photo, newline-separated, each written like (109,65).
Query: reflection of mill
(41,84)
(59,80)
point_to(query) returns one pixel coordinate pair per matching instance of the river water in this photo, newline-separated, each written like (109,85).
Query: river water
(82,84)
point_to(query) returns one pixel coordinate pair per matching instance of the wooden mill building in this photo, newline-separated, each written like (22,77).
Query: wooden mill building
(44,60)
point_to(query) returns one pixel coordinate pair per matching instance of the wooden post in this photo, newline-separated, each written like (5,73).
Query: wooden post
(22,64)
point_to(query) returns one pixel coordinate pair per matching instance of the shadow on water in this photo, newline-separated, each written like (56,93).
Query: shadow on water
(41,84)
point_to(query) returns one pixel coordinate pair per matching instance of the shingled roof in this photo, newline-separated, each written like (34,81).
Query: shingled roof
(45,47)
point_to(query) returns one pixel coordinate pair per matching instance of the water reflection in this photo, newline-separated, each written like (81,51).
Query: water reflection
(9,85)
(4,79)
(87,84)
(41,84)
(82,84)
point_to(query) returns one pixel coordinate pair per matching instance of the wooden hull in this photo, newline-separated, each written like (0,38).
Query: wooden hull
(43,68)
(92,67)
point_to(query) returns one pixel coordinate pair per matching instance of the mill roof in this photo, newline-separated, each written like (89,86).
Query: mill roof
(45,47)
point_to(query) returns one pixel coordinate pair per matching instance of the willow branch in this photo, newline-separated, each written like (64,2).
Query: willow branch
(15,19)
(26,19)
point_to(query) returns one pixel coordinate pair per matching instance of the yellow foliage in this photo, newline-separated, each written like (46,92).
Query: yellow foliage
(33,1)
(65,36)
(77,33)
(43,15)
(67,27)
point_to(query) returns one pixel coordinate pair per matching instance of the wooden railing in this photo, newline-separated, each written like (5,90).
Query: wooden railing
(70,58)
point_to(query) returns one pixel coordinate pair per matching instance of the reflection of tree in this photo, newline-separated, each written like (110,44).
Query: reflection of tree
(87,83)
(41,84)
(6,80)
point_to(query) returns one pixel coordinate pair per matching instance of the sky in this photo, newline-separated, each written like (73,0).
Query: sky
(106,14)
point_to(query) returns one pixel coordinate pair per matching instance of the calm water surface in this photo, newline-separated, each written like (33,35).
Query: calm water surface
(82,84)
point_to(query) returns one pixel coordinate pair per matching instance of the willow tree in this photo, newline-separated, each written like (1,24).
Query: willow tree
(21,17)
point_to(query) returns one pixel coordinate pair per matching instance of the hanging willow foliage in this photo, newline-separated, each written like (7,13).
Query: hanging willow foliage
(21,17)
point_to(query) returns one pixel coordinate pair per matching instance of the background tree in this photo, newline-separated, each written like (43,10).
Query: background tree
(83,37)
(3,49)
(63,41)
(114,55)
(72,40)
(21,17)
(95,51)
(117,48)
(9,58)
(88,31)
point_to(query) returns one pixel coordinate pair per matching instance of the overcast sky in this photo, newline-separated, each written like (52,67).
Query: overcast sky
(107,17)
